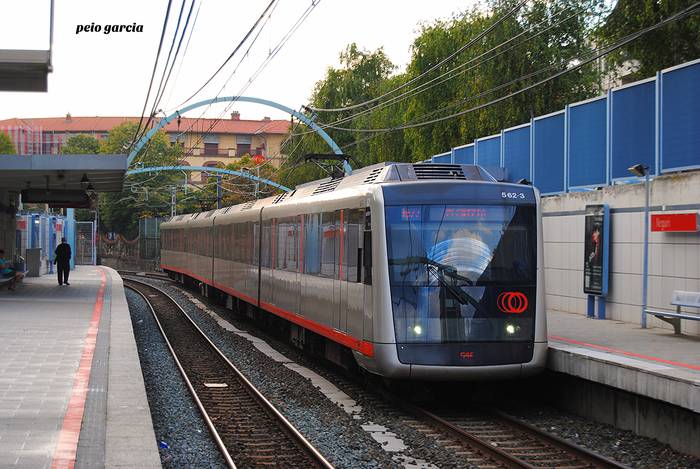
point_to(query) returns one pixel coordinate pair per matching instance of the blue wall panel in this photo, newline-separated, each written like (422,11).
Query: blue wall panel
(463,155)
(549,154)
(488,152)
(633,132)
(516,153)
(442,158)
(587,144)
(680,118)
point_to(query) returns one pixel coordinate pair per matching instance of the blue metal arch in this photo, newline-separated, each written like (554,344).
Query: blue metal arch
(211,170)
(334,146)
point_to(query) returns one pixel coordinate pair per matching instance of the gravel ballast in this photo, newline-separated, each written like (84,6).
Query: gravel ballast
(180,431)
(338,433)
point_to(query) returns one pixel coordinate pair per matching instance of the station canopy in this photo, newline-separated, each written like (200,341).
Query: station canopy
(24,70)
(62,180)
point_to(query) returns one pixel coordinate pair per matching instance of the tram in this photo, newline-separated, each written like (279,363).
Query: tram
(416,271)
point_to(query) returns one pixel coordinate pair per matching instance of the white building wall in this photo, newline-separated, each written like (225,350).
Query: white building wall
(674,258)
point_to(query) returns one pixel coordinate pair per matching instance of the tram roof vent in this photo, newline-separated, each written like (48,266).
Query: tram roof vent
(248,205)
(438,171)
(373,175)
(327,186)
(280,197)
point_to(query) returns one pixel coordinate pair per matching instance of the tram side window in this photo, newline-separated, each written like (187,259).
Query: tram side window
(235,241)
(229,240)
(328,235)
(248,246)
(256,243)
(354,223)
(312,245)
(266,250)
(287,244)
(223,239)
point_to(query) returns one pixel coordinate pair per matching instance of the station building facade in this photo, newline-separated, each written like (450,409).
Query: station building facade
(206,142)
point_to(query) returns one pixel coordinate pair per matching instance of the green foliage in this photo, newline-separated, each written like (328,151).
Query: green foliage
(144,195)
(81,145)
(6,145)
(673,44)
(550,36)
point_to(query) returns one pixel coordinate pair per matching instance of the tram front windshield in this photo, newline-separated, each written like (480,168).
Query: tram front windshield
(462,273)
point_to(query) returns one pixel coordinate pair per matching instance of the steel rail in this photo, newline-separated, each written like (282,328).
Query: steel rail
(281,419)
(212,429)
(585,456)
(470,439)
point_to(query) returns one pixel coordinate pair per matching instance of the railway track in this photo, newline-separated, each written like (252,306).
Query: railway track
(247,428)
(502,440)
(140,273)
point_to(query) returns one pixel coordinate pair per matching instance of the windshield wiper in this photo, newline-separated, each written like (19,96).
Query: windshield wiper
(442,270)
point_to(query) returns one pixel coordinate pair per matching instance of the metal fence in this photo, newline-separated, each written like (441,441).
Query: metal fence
(655,122)
(149,237)
(85,243)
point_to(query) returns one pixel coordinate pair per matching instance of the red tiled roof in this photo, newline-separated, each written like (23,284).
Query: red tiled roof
(105,124)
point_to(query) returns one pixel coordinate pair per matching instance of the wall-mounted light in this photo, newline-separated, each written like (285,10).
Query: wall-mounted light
(638,170)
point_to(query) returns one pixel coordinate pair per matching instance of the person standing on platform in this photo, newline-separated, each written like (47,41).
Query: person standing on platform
(62,261)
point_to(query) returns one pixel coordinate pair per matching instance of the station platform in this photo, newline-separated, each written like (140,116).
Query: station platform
(71,388)
(652,362)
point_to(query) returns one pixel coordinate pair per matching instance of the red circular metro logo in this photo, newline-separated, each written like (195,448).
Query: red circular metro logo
(513,302)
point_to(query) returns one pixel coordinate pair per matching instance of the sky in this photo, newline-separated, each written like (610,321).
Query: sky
(108,74)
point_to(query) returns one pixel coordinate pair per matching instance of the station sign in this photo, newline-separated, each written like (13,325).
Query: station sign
(675,222)
(596,250)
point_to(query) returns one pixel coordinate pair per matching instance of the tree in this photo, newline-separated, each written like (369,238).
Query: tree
(6,145)
(543,38)
(81,145)
(144,195)
(670,45)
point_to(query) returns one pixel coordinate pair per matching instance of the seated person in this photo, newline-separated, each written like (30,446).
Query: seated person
(6,271)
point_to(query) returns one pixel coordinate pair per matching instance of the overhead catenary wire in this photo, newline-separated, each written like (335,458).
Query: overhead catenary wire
(153,74)
(233,72)
(460,69)
(184,54)
(285,38)
(693,9)
(159,95)
(168,64)
(233,53)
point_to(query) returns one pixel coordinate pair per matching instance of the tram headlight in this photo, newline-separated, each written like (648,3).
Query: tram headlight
(511,329)
(417,330)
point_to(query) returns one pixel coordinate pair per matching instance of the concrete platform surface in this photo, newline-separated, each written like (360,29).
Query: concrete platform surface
(71,389)
(650,362)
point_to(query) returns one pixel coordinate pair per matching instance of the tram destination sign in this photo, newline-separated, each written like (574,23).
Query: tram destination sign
(596,250)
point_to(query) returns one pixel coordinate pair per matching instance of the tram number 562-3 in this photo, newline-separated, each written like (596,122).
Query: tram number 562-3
(512,195)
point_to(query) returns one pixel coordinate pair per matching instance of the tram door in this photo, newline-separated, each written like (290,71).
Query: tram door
(341,286)
(351,291)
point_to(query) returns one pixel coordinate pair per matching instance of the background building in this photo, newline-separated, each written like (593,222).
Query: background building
(207,142)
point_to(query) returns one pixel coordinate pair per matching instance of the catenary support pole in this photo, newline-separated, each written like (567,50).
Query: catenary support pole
(246,99)
(645,267)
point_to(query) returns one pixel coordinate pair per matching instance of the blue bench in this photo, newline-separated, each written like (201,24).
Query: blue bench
(681,299)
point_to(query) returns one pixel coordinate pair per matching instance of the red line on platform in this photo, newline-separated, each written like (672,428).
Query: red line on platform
(624,352)
(67,446)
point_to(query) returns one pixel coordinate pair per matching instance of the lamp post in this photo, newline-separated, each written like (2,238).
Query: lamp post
(642,170)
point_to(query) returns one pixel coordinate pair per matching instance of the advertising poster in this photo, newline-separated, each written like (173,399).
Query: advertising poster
(595,261)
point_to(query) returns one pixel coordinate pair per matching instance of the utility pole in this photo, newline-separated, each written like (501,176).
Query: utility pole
(257,181)
(173,201)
